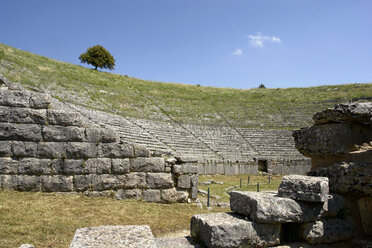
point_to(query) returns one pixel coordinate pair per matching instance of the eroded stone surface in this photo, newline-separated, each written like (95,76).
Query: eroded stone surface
(269,208)
(232,230)
(304,188)
(113,237)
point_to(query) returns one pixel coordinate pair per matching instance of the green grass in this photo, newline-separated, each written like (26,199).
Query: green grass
(234,181)
(262,108)
(50,220)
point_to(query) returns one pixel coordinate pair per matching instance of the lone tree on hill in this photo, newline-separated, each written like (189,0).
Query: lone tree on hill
(98,56)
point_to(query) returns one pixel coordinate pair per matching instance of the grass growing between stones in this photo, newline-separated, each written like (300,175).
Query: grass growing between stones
(233,183)
(50,220)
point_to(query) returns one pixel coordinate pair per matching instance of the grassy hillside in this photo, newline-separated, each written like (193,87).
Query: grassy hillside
(265,108)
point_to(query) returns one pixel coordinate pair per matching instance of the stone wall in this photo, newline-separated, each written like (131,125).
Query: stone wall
(50,150)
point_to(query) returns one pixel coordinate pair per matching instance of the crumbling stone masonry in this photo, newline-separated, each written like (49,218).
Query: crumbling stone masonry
(50,150)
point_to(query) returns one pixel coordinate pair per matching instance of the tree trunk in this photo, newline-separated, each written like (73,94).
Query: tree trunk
(95,68)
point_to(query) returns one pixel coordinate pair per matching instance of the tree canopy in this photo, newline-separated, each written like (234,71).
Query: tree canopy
(99,57)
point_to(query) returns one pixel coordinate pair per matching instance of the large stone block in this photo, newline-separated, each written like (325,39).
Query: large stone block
(106,182)
(116,150)
(75,167)
(269,208)
(39,100)
(63,134)
(184,182)
(327,230)
(22,132)
(14,98)
(24,149)
(135,180)
(231,230)
(104,135)
(98,165)
(182,195)
(346,113)
(338,205)
(120,165)
(28,183)
(8,181)
(148,165)
(159,180)
(63,118)
(141,151)
(4,113)
(114,236)
(34,166)
(152,195)
(28,116)
(83,182)
(57,183)
(8,166)
(304,188)
(194,186)
(51,150)
(169,195)
(5,148)
(348,177)
(123,194)
(185,168)
(326,140)
(81,150)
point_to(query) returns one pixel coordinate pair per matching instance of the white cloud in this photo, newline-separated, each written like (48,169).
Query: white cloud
(258,40)
(238,52)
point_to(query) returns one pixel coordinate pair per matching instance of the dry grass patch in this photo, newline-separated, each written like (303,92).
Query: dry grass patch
(50,220)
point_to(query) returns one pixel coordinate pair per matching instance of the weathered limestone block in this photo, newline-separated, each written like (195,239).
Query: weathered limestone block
(104,135)
(83,182)
(39,100)
(327,230)
(184,182)
(34,166)
(29,183)
(57,183)
(5,148)
(27,116)
(74,167)
(98,165)
(268,208)
(169,195)
(104,193)
(120,165)
(231,230)
(26,246)
(148,165)
(114,236)
(159,180)
(348,178)
(63,118)
(304,188)
(194,186)
(123,194)
(346,113)
(182,195)
(152,195)
(185,168)
(338,205)
(8,166)
(24,149)
(51,150)
(23,132)
(107,182)
(116,150)
(141,151)
(8,181)
(135,180)
(81,150)
(63,134)
(365,210)
(14,98)
(331,139)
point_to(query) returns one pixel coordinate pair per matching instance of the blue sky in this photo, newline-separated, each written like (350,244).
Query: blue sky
(235,43)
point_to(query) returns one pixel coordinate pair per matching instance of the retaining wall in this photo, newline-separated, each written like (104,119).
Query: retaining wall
(43,149)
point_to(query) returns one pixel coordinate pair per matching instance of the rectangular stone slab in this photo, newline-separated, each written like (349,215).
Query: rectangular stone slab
(269,208)
(231,230)
(304,188)
(113,237)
